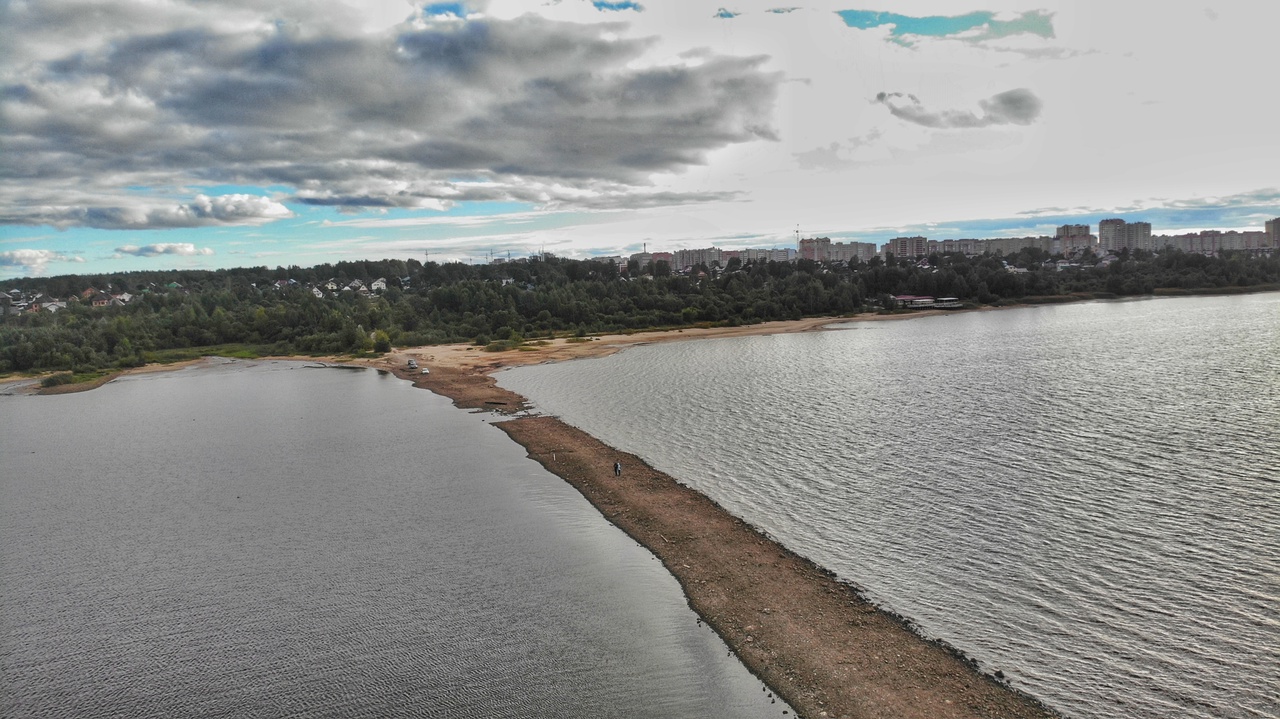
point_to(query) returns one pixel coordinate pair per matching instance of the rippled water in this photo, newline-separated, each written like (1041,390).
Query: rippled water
(1085,497)
(272,540)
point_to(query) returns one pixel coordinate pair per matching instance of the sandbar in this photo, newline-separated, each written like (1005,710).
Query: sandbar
(813,640)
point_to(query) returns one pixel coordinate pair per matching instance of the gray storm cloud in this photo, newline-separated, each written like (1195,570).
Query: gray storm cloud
(430,111)
(204,211)
(1013,107)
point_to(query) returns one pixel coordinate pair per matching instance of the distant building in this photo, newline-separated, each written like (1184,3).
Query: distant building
(1273,232)
(817,249)
(1116,234)
(684,259)
(851,251)
(968,247)
(1072,239)
(1211,242)
(907,246)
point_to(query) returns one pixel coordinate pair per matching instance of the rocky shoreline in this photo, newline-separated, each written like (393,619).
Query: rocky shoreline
(814,640)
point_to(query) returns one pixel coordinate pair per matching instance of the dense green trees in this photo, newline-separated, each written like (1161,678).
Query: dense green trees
(435,303)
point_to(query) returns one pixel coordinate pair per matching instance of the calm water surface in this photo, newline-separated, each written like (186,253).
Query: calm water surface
(1085,497)
(275,540)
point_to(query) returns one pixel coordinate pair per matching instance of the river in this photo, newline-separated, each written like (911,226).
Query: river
(1083,497)
(273,539)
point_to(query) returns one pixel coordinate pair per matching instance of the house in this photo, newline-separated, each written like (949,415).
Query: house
(319,293)
(378,285)
(331,285)
(102,299)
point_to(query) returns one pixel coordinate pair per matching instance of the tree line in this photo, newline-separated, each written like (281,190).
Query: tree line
(433,303)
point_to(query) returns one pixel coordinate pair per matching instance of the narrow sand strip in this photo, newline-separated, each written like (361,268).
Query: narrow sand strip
(814,640)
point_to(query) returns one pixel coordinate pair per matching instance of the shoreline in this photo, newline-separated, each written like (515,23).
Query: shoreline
(814,640)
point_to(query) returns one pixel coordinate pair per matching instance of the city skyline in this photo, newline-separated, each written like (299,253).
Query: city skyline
(182,135)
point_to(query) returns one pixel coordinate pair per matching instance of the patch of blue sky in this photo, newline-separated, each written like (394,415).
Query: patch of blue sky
(228,189)
(725,14)
(624,5)
(1034,22)
(446,8)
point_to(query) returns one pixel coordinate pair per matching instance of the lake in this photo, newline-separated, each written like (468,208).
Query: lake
(1083,497)
(275,539)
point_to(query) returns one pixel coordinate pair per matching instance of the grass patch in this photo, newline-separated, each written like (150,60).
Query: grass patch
(1053,299)
(183,354)
(1198,291)
(70,378)
(502,346)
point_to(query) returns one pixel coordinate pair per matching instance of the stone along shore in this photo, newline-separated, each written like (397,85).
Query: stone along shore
(814,640)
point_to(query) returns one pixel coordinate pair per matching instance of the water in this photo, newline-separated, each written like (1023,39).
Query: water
(266,539)
(1082,496)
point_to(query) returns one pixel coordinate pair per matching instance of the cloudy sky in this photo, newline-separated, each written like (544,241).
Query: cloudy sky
(190,133)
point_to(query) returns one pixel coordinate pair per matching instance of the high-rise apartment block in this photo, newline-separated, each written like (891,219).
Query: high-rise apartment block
(822,249)
(1116,234)
(817,249)
(1273,232)
(1072,239)
(852,251)
(907,246)
(684,259)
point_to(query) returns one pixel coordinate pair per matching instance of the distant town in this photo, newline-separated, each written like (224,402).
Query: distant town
(84,326)
(1070,242)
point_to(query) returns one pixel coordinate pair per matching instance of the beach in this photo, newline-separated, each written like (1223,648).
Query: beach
(813,640)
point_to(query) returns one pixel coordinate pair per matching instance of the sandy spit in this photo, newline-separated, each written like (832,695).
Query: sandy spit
(813,640)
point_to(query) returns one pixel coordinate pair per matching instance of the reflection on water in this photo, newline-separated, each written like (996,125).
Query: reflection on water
(1082,496)
(278,540)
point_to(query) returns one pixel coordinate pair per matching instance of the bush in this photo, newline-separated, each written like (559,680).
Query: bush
(54,380)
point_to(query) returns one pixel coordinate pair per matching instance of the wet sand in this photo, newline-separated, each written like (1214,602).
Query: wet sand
(813,640)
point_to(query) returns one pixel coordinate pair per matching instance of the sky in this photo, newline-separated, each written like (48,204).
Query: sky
(158,134)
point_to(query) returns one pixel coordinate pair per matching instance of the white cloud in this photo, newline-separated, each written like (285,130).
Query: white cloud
(182,249)
(34,262)
(376,114)
(747,126)
(141,214)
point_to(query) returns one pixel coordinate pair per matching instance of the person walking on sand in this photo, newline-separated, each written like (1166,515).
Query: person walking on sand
(617,469)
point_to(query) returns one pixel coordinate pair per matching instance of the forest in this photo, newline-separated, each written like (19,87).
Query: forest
(180,313)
